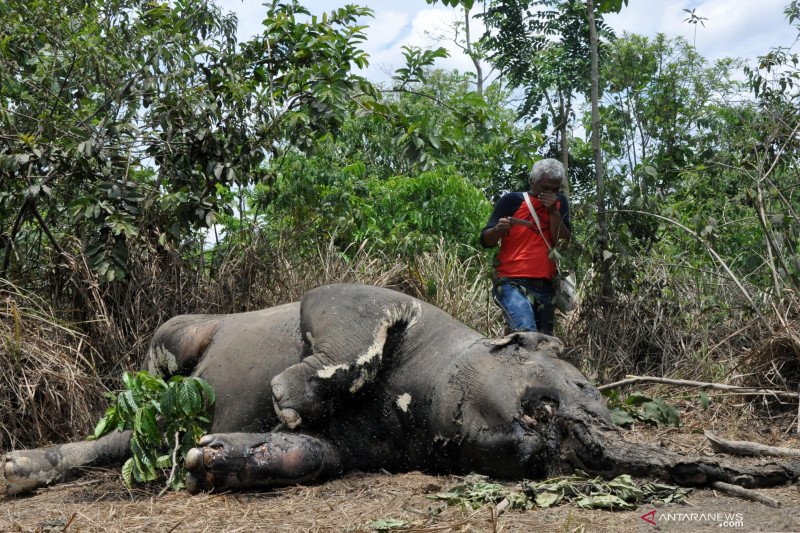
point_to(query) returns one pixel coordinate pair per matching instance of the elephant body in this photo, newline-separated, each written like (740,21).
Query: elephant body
(361,377)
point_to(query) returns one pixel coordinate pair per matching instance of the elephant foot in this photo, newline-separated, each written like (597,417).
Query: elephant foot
(298,393)
(26,470)
(241,461)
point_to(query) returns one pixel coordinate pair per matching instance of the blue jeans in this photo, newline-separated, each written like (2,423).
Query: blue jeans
(525,304)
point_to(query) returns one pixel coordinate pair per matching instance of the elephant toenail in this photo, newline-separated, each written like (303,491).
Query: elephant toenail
(192,484)
(291,418)
(278,392)
(194,459)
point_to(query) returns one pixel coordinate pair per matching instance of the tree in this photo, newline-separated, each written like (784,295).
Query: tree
(542,47)
(116,144)
(459,145)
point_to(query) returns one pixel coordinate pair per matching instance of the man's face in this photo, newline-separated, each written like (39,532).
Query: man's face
(547,183)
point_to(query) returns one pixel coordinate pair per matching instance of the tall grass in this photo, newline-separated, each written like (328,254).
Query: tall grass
(49,387)
(55,368)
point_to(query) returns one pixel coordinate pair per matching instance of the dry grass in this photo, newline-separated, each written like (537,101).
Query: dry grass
(678,324)
(101,503)
(460,286)
(49,388)
(774,363)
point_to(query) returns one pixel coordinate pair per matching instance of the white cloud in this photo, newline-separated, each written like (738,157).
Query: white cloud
(431,27)
(385,29)
(744,28)
(740,28)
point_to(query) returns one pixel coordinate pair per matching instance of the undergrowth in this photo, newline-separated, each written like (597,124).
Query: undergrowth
(57,362)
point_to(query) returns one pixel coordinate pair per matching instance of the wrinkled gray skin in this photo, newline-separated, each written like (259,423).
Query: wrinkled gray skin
(360,377)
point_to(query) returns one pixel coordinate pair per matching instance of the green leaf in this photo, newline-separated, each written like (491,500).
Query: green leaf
(705,401)
(637,398)
(660,413)
(604,501)
(189,398)
(548,499)
(147,424)
(127,472)
(205,388)
(104,425)
(621,417)
(624,487)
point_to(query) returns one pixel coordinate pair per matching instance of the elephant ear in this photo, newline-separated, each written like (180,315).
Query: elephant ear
(350,331)
(531,341)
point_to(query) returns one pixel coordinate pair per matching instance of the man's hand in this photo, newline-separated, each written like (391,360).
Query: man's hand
(504,225)
(548,200)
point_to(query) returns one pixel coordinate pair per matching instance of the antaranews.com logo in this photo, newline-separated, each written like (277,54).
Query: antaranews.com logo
(719,519)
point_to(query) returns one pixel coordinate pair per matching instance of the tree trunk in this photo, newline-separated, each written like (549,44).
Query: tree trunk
(564,141)
(473,56)
(602,225)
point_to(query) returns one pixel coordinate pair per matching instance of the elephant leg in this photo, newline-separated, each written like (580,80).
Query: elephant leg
(350,331)
(25,470)
(241,461)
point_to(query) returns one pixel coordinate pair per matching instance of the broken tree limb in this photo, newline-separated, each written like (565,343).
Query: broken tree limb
(742,447)
(755,391)
(747,494)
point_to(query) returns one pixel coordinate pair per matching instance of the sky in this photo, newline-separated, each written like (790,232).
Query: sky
(734,28)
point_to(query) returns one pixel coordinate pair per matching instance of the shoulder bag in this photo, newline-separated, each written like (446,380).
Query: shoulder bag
(564,294)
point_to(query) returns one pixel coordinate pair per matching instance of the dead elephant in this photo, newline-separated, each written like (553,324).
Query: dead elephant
(360,377)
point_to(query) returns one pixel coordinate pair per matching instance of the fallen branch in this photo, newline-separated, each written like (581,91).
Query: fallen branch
(755,391)
(745,494)
(742,447)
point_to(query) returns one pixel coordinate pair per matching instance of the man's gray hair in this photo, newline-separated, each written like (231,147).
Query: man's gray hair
(547,166)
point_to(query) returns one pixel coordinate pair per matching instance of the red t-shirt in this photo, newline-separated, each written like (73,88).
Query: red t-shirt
(523,252)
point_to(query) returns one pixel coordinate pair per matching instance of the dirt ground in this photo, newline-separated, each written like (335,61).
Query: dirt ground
(100,502)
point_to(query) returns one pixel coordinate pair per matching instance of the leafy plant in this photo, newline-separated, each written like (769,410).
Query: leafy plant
(474,493)
(166,418)
(637,406)
(389,524)
(621,493)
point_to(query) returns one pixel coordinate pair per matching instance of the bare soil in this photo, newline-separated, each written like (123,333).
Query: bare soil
(100,502)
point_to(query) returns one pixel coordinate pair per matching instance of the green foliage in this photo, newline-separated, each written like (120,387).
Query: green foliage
(389,524)
(401,215)
(621,493)
(637,406)
(117,144)
(476,492)
(416,62)
(166,419)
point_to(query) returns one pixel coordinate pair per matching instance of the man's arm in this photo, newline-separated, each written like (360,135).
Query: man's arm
(491,236)
(558,209)
(500,222)
(559,231)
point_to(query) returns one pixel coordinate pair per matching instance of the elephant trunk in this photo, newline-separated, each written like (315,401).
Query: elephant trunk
(599,449)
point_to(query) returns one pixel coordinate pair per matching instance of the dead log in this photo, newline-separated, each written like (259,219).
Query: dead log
(747,448)
(756,391)
(745,494)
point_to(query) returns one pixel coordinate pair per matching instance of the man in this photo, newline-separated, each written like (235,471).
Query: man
(523,281)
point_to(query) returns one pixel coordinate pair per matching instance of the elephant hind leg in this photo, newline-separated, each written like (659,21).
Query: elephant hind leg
(240,461)
(179,343)
(26,470)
